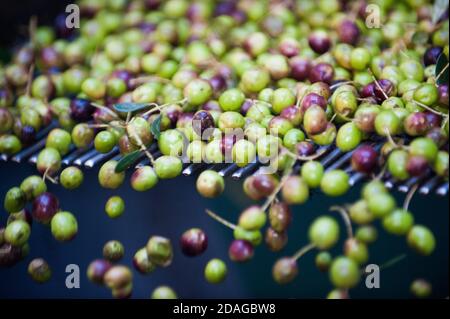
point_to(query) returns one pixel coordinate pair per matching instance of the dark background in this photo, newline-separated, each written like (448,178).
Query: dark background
(174,206)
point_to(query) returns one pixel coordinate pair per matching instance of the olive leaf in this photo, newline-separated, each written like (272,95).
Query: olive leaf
(441,71)
(156,127)
(439,8)
(127,161)
(129,107)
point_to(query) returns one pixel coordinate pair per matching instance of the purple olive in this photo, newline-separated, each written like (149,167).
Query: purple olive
(319,41)
(348,32)
(97,269)
(417,165)
(293,114)
(431,55)
(384,89)
(364,159)
(443,94)
(368,90)
(264,184)
(304,148)
(81,110)
(312,99)
(322,72)
(45,206)
(300,68)
(193,242)
(416,124)
(201,122)
(240,250)
(28,135)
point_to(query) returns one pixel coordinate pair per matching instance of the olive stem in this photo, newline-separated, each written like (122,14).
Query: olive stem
(104,108)
(340,84)
(32,25)
(344,215)
(220,219)
(160,107)
(275,192)
(144,79)
(132,132)
(98,125)
(381,173)
(303,251)
(46,176)
(377,84)
(333,117)
(392,262)
(409,196)
(29,80)
(304,158)
(430,109)
(390,139)
(442,72)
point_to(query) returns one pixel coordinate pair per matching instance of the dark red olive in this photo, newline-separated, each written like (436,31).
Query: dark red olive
(304,148)
(246,106)
(288,48)
(443,94)
(368,90)
(240,250)
(417,165)
(431,55)
(275,241)
(227,142)
(313,99)
(193,242)
(201,122)
(348,32)
(97,269)
(364,159)
(433,119)
(293,114)
(45,206)
(280,216)
(322,72)
(218,83)
(81,110)
(416,124)
(224,8)
(300,68)
(265,184)
(319,41)
(383,89)
(28,135)
(438,136)
(9,255)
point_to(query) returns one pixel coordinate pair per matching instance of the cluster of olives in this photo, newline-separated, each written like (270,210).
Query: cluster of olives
(231,82)
(43,207)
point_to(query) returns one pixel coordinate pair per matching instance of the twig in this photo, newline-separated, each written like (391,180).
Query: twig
(344,215)
(377,84)
(303,251)
(409,196)
(430,109)
(220,219)
(442,72)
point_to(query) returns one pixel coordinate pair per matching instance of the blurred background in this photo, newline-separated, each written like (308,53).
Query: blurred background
(174,206)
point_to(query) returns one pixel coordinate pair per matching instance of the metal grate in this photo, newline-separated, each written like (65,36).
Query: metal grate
(332,158)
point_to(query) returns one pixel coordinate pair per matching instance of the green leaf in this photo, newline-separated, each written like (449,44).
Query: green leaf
(439,8)
(441,67)
(127,161)
(129,107)
(156,127)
